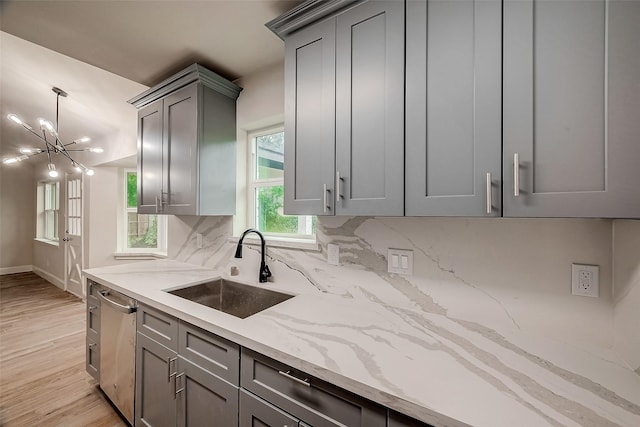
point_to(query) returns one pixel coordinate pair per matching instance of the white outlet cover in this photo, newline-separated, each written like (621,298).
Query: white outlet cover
(585,280)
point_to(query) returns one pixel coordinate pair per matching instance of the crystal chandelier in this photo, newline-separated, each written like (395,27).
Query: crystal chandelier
(52,143)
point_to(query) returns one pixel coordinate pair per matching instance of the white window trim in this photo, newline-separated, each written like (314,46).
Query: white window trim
(293,241)
(41,213)
(136,253)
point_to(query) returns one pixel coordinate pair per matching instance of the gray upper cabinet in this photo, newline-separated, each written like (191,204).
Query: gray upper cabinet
(310,120)
(453,108)
(344,132)
(571,102)
(187,145)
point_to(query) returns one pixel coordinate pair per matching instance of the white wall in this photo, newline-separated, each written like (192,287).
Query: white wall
(17,210)
(260,105)
(48,258)
(626,292)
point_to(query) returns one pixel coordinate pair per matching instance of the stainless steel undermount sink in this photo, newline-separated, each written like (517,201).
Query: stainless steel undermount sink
(231,297)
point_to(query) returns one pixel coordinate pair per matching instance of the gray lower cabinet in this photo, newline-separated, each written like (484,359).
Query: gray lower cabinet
(344,144)
(571,102)
(399,420)
(306,398)
(187,145)
(92,357)
(204,399)
(453,108)
(155,401)
(255,412)
(185,376)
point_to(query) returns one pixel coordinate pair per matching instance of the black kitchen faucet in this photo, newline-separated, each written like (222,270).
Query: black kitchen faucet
(264,268)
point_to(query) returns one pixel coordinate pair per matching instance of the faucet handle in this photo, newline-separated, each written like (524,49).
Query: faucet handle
(265,273)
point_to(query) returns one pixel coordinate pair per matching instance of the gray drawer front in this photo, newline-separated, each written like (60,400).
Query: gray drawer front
(210,352)
(92,358)
(319,404)
(255,412)
(158,326)
(93,320)
(92,290)
(399,420)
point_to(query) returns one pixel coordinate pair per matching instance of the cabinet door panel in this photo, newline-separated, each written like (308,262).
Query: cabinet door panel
(369,114)
(310,119)
(569,84)
(149,157)
(180,145)
(453,107)
(205,399)
(155,401)
(255,412)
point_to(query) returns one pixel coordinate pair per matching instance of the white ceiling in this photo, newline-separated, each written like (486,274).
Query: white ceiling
(102,53)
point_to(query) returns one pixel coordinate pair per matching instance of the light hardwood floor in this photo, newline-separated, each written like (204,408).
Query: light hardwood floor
(43,381)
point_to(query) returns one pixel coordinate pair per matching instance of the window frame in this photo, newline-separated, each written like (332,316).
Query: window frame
(45,211)
(254,184)
(123,232)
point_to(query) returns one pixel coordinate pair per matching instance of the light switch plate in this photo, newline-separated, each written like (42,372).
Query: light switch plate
(585,280)
(400,261)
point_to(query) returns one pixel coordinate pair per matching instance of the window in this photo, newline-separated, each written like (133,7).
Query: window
(266,189)
(51,205)
(140,232)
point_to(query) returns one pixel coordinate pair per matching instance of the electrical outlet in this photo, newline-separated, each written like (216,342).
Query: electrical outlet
(400,261)
(584,280)
(333,254)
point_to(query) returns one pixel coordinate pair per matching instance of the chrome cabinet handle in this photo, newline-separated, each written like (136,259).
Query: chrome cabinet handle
(156,204)
(93,344)
(516,174)
(177,390)
(324,198)
(127,309)
(489,193)
(287,374)
(338,187)
(170,374)
(92,307)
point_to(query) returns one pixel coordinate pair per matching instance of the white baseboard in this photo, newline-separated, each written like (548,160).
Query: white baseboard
(50,277)
(16,269)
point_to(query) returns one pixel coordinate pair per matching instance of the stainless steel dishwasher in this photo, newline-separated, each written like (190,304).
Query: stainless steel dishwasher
(118,349)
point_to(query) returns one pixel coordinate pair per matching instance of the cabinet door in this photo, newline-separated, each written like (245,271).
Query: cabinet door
(571,102)
(255,412)
(180,150)
(453,108)
(369,109)
(203,398)
(399,420)
(309,147)
(155,383)
(150,158)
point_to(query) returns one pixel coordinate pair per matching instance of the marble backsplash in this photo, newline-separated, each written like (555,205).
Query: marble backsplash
(510,275)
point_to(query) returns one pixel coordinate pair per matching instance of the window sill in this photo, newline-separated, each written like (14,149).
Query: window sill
(281,242)
(139,255)
(47,241)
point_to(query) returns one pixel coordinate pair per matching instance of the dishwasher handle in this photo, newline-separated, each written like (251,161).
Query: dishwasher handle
(127,309)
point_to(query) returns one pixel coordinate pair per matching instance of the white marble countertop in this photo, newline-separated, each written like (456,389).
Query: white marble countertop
(444,371)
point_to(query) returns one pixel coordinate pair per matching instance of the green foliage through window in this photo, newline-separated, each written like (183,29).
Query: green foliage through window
(132,190)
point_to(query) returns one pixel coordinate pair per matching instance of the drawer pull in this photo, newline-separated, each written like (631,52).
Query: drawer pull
(298,380)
